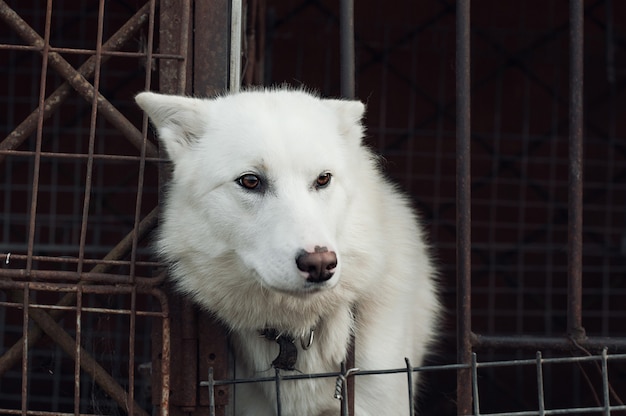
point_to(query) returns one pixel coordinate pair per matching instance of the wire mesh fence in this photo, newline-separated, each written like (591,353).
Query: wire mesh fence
(80,298)
(605,400)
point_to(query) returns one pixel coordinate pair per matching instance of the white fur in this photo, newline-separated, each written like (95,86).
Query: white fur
(233,250)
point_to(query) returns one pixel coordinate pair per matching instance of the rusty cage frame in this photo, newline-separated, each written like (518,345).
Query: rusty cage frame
(55,292)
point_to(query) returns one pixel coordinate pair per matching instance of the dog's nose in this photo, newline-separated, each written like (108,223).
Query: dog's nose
(318,266)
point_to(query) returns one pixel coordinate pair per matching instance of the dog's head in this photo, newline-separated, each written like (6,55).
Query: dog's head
(261,178)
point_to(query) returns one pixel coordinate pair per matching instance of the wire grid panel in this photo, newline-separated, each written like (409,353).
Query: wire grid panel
(79,295)
(606,400)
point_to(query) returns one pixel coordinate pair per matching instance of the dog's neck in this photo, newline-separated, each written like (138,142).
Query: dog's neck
(287,339)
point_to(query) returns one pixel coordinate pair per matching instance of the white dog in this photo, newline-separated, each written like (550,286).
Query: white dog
(279,221)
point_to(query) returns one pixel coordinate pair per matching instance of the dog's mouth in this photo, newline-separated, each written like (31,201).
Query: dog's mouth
(307,289)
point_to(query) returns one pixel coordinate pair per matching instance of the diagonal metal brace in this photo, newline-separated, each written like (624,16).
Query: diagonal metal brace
(77,80)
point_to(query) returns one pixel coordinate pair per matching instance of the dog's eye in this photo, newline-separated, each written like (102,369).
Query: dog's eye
(323,180)
(249,181)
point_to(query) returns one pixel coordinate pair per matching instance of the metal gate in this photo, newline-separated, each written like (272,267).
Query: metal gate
(79,293)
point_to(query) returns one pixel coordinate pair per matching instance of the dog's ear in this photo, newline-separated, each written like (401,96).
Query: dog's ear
(179,120)
(350,113)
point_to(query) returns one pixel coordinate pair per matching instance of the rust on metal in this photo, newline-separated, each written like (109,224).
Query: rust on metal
(189,349)
(54,100)
(214,354)
(174,373)
(90,146)
(39,137)
(210,63)
(204,343)
(75,79)
(72,348)
(143,150)
(77,353)
(174,34)
(99,273)
(165,369)
(535,343)
(24,280)
(25,344)
(46,323)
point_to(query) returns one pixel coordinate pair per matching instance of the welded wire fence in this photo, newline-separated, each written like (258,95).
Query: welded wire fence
(79,294)
(607,400)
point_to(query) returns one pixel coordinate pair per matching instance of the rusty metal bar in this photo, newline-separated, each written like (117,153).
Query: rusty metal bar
(132,326)
(144,135)
(77,348)
(76,156)
(99,271)
(211,386)
(135,237)
(25,344)
(43,413)
(174,32)
(70,260)
(184,69)
(85,209)
(189,349)
(119,39)
(210,74)
(104,291)
(79,51)
(463,203)
(575,190)
(165,361)
(39,138)
(175,78)
(74,78)
(91,277)
(91,141)
(346,43)
(85,289)
(540,342)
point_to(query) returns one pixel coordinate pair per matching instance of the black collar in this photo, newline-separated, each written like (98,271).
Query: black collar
(288,351)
